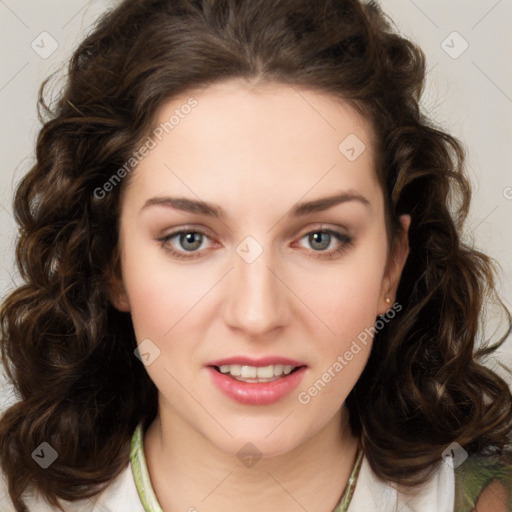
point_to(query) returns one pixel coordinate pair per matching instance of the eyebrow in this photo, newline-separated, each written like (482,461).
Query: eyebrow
(215,211)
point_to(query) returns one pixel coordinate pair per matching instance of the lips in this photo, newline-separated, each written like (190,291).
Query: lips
(256,381)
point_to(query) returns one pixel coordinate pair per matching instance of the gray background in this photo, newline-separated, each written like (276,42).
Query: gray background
(469,93)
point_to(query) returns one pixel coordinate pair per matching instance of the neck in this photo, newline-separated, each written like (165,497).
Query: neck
(189,473)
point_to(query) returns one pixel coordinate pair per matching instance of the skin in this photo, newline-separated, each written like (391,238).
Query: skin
(255,151)
(494,498)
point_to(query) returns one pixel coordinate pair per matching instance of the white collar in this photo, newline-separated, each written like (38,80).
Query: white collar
(372,494)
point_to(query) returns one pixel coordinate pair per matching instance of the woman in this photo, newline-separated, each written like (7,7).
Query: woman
(314,347)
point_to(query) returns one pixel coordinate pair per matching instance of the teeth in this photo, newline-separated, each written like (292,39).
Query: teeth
(252,372)
(249,372)
(265,372)
(235,369)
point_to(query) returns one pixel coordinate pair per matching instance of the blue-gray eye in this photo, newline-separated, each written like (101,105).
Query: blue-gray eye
(322,238)
(190,241)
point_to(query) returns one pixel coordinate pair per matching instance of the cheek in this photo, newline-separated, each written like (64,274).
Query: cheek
(346,303)
(159,294)
(345,297)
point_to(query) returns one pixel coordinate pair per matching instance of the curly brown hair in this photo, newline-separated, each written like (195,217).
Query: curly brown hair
(69,352)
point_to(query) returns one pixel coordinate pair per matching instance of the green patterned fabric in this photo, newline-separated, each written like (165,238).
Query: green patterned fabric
(474,474)
(471,477)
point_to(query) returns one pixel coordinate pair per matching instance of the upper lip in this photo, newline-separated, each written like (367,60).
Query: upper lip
(249,361)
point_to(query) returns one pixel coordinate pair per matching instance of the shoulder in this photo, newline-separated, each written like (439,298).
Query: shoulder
(31,499)
(373,493)
(121,494)
(484,482)
(6,504)
(479,484)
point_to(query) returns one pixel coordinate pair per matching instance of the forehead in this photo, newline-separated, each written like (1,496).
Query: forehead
(243,141)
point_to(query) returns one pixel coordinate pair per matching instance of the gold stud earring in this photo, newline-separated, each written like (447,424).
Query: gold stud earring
(388,300)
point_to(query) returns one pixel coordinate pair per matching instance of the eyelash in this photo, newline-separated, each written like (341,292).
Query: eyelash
(345,243)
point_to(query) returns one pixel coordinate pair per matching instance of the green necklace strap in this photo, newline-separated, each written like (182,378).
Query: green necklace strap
(351,484)
(141,474)
(148,498)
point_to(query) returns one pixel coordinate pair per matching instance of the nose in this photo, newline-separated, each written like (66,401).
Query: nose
(256,297)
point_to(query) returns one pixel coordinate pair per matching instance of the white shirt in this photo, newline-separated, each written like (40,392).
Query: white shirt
(370,495)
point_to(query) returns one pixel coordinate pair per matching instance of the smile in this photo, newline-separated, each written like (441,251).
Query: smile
(256,382)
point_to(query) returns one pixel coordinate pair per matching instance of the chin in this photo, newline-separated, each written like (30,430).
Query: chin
(266,439)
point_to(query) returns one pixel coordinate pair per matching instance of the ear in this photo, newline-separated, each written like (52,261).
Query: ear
(116,290)
(395,265)
(118,296)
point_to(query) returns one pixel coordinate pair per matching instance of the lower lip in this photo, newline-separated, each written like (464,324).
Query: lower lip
(256,393)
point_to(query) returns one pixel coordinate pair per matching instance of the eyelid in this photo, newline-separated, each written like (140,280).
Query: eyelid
(188,228)
(331,228)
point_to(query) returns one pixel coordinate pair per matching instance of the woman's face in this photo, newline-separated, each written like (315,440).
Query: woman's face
(281,261)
